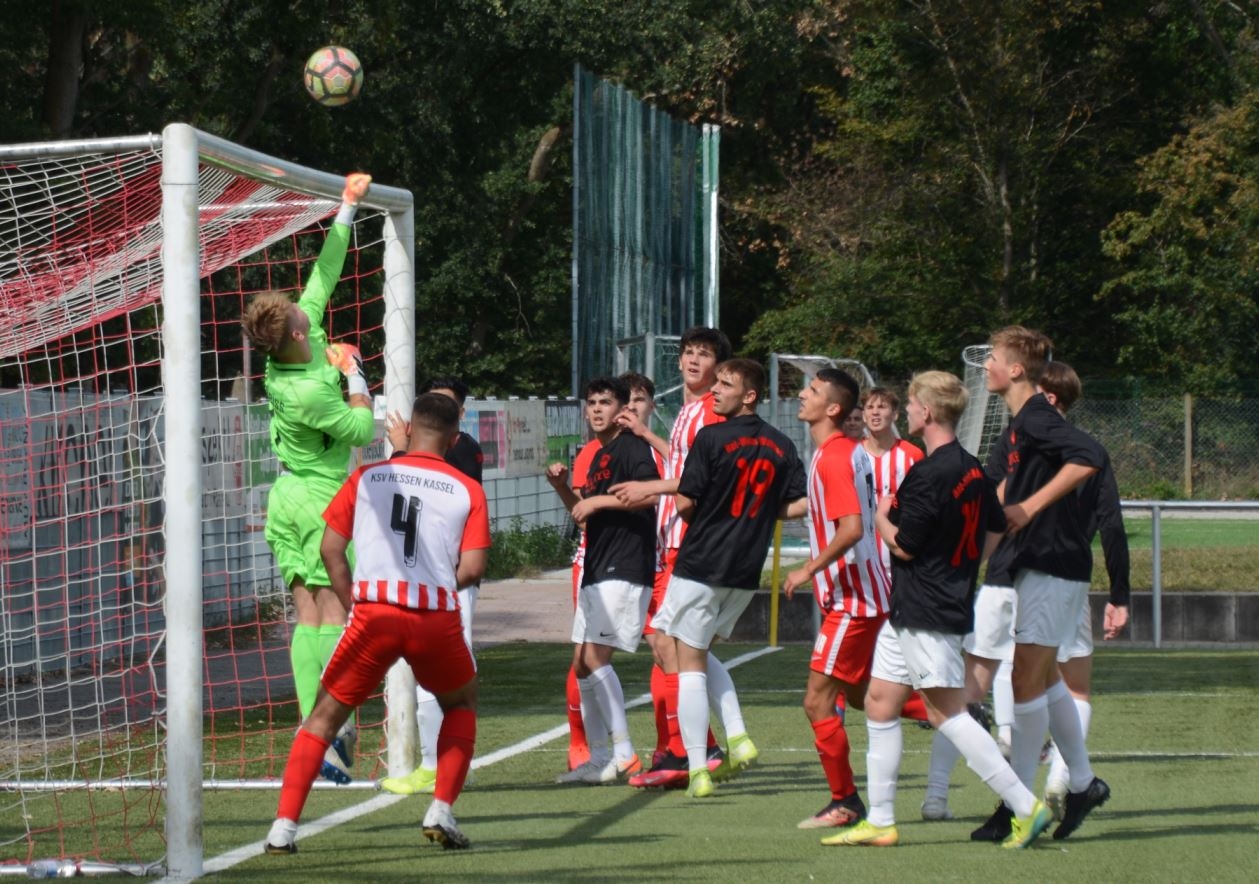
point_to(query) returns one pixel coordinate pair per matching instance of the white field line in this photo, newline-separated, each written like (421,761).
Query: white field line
(225,861)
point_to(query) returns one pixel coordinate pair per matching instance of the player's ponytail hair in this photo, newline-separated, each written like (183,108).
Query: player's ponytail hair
(944,395)
(266,321)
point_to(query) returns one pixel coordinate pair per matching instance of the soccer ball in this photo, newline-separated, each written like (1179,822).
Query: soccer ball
(333,76)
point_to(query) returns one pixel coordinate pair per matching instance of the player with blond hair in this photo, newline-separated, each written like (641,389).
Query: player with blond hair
(313,428)
(938,527)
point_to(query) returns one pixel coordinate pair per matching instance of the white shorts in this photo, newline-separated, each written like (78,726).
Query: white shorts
(696,613)
(993,638)
(467,607)
(1048,609)
(919,657)
(1081,643)
(611,612)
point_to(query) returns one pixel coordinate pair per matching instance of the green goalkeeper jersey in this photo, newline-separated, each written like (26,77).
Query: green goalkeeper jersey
(313,428)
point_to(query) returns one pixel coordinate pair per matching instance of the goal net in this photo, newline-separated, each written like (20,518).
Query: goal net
(144,650)
(986,414)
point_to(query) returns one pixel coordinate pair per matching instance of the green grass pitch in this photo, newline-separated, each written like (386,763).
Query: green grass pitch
(1175,733)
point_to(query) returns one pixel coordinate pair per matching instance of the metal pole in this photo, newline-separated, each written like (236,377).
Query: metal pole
(399,359)
(1156,594)
(181,378)
(1188,445)
(774,584)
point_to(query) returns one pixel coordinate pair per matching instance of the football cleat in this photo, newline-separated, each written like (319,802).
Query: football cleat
(439,826)
(339,758)
(1025,830)
(671,772)
(982,713)
(836,815)
(601,773)
(282,839)
(701,784)
(1078,805)
(935,807)
(741,754)
(864,834)
(421,781)
(1056,800)
(997,827)
(715,758)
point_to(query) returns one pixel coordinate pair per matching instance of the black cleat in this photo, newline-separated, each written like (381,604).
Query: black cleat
(997,828)
(1078,805)
(982,713)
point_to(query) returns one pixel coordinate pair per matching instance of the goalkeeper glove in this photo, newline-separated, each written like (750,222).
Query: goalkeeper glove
(347,359)
(356,186)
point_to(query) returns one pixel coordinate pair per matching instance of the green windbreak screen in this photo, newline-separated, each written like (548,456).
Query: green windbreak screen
(644,261)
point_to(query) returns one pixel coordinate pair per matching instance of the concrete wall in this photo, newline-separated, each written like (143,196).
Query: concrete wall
(1220,617)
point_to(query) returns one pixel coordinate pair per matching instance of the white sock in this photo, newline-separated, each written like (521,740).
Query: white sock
(883,767)
(984,758)
(693,717)
(722,699)
(611,699)
(428,717)
(944,756)
(1059,779)
(1003,695)
(1031,720)
(596,725)
(1068,734)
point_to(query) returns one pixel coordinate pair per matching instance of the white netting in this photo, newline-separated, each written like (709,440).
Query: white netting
(986,414)
(83,561)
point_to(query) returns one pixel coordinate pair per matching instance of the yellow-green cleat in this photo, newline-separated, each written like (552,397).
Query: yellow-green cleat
(420,781)
(864,834)
(1024,830)
(741,753)
(701,784)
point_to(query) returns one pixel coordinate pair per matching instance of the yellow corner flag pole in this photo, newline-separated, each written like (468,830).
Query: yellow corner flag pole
(774,584)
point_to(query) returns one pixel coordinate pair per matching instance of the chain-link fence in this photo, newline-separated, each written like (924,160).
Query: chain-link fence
(1178,447)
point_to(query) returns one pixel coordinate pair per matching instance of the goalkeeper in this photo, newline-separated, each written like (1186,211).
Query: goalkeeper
(313,428)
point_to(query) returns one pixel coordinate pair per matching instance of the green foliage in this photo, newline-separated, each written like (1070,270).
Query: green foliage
(520,551)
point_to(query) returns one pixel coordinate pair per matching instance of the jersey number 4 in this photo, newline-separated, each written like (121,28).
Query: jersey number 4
(755,478)
(405,521)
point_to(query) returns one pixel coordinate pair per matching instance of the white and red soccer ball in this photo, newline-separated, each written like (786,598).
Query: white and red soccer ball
(333,76)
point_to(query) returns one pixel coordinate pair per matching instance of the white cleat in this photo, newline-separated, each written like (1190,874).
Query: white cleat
(440,827)
(282,838)
(935,808)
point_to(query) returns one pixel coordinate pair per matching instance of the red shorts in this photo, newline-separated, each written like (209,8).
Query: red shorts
(379,634)
(658,587)
(845,646)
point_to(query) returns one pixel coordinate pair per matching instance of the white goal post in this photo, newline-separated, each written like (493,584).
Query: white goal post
(194,205)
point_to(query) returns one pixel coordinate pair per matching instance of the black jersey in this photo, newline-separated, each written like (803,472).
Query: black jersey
(943,511)
(620,544)
(1039,442)
(1100,498)
(466,456)
(738,473)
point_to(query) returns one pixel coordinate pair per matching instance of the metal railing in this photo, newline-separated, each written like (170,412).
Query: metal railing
(1155,508)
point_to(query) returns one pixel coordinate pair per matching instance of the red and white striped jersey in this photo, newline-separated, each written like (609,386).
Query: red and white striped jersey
(890,468)
(841,484)
(410,517)
(581,469)
(692,417)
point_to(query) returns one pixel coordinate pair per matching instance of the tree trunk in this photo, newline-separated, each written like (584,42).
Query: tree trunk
(65,64)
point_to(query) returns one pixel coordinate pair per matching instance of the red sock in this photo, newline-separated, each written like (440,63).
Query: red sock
(658,706)
(576,729)
(456,742)
(915,708)
(305,759)
(832,749)
(671,714)
(712,741)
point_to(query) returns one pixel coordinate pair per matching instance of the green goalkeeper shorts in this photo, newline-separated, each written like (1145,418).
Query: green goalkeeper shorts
(295,526)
